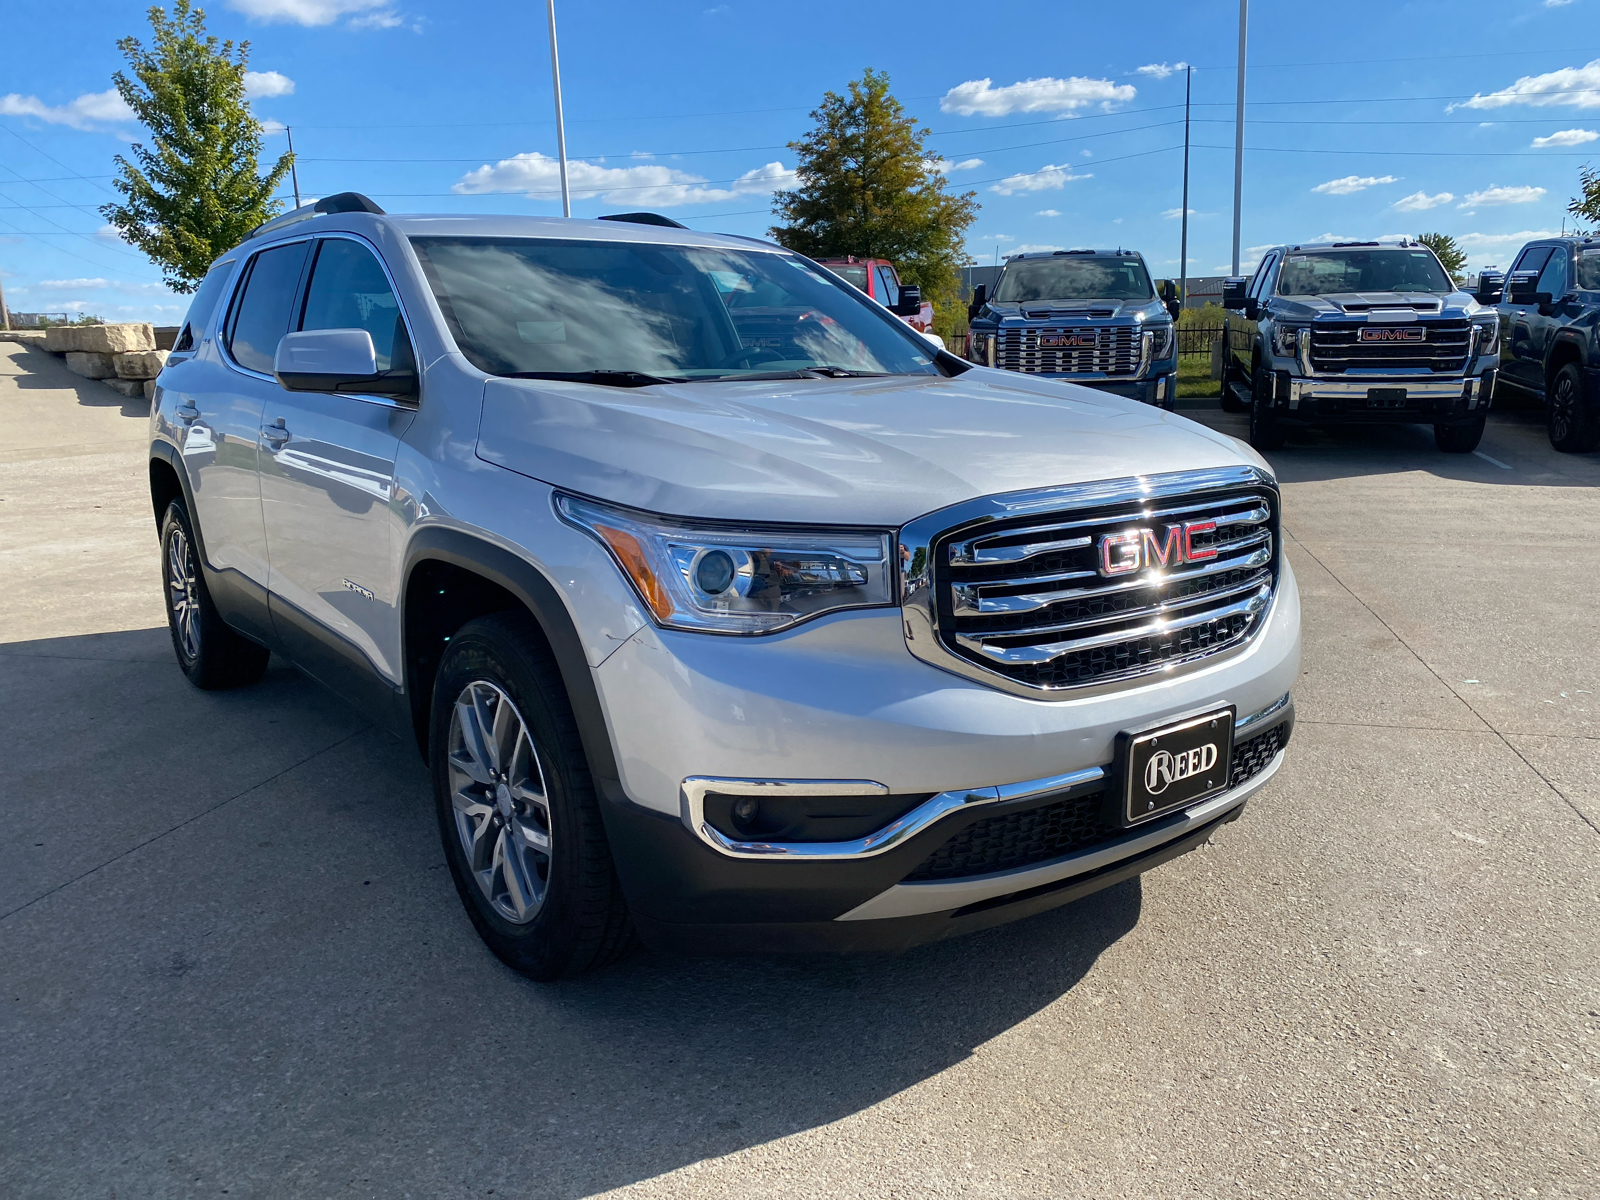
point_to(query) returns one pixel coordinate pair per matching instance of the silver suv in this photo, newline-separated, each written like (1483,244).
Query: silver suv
(725,609)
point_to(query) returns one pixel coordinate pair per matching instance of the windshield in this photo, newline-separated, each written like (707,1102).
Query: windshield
(1329,272)
(857,276)
(1032,279)
(562,308)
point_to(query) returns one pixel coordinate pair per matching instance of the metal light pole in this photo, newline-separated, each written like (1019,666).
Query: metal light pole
(1183,253)
(294,175)
(1238,135)
(561,128)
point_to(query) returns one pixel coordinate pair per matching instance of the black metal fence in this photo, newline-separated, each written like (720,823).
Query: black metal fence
(1197,339)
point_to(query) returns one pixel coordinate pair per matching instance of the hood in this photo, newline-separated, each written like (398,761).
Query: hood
(847,451)
(1055,310)
(1362,304)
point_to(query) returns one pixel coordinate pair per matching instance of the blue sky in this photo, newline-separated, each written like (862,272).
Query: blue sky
(1065,119)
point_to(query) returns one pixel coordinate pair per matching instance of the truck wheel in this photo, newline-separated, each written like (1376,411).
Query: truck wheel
(1572,424)
(1459,439)
(516,805)
(1265,432)
(209,653)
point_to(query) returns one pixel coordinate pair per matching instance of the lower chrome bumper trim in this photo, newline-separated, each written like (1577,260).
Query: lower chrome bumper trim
(917,899)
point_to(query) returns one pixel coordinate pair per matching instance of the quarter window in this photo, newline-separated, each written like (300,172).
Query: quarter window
(262,309)
(203,305)
(349,290)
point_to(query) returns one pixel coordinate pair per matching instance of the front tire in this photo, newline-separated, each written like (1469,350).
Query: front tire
(1265,432)
(1459,439)
(1571,422)
(212,655)
(517,810)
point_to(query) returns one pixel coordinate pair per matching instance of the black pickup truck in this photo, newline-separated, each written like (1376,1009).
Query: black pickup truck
(1549,344)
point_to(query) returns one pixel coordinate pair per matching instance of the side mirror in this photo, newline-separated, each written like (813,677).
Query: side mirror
(336,360)
(1252,308)
(1173,309)
(980,297)
(1491,286)
(910,301)
(1233,290)
(1521,288)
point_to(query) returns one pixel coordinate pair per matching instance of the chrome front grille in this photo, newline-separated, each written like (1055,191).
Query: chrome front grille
(1104,350)
(1443,348)
(1053,599)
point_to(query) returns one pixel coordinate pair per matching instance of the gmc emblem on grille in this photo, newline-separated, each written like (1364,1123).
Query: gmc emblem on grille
(1070,340)
(1135,549)
(1392,333)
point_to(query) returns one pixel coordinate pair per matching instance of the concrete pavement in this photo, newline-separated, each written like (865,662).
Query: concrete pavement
(232,962)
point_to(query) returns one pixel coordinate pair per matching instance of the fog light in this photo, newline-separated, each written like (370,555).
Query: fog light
(745,809)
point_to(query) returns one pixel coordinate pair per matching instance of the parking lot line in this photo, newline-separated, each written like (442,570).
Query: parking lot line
(1495,461)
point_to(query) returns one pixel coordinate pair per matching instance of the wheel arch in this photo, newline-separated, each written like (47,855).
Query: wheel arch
(1565,350)
(451,577)
(168,482)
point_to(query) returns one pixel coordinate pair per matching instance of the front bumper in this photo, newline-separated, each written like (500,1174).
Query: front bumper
(1369,399)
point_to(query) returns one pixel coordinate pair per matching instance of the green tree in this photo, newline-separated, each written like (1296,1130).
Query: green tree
(1451,256)
(1587,207)
(868,186)
(198,190)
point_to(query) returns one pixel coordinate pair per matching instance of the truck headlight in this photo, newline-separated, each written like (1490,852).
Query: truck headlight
(737,578)
(1286,340)
(1486,336)
(1161,347)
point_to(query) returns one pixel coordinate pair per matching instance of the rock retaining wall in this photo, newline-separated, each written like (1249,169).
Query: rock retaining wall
(124,357)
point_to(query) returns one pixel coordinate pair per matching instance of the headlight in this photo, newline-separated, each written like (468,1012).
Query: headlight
(741,579)
(1161,345)
(1286,340)
(1486,335)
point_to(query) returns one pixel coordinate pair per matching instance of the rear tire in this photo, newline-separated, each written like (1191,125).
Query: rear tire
(212,655)
(516,805)
(1459,439)
(1571,421)
(1265,432)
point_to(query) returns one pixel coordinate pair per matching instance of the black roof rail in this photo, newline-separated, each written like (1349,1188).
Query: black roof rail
(1077,251)
(1343,245)
(346,202)
(644,218)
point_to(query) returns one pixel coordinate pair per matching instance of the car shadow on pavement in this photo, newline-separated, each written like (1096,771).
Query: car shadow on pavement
(45,371)
(255,974)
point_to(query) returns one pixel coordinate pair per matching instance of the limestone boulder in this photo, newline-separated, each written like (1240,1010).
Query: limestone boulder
(150,390)
(117,339)
(128,387)
(141,364)
(61,339)
(91,366)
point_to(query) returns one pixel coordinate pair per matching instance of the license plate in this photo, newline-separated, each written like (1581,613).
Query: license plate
(1176,765)
(1386,397)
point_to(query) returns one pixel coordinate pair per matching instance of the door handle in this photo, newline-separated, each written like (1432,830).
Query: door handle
(275,435)
(187,413)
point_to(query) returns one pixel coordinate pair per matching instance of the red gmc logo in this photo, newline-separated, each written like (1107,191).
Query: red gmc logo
(1390,333)
(1135,549)
(1069,340)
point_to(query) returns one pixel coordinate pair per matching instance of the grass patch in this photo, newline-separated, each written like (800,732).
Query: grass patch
(1194,378)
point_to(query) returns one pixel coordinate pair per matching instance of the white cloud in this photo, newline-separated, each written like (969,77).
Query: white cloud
(1161,70)
(649,185)
(72,285)
(378,20)
(1421,201)
(1353,183)
(262,85)
(1047,212)
(1575,86)
(978,98)
(1045,179)
(88,111)
(1172,214)
(110,232)
(271,126)
(1502,195)
(1502,241)
(944,166)
(1030,248)
(1566,137)
(1556,3)
(304,12)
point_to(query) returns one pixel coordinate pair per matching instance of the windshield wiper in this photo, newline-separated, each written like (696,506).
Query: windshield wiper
(605,378)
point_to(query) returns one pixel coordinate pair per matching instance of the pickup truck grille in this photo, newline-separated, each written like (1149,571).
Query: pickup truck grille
(1109,349)
(1339,348)
(1028,598)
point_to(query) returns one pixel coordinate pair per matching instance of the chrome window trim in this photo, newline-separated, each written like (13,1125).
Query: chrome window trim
(922,898)
(919,604)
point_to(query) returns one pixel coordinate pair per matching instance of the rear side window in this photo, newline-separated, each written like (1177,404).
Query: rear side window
(349,290)
(262,307)
(203,306)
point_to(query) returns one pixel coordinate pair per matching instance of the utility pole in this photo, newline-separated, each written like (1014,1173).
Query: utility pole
(5,313)
(1183,252)
(294,175)
(1238,135)
(561,128)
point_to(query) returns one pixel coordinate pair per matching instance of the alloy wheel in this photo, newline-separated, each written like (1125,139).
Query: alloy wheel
(501,807)
(184,594)
(1563,407)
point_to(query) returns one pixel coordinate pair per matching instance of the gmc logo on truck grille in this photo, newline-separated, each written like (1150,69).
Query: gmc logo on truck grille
(1402,333)
(1070,340)
(1132,549)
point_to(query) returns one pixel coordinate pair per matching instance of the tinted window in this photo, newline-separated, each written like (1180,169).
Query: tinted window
(1589,269)
(261,313)
(349,290)
(888,290)
(1532,259)
(1086,278)
(1553,278)
(1331,272)
(206,298)
(554,306)
(1259,284)
(853,275)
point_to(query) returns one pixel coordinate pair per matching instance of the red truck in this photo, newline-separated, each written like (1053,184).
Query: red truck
(878,279)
